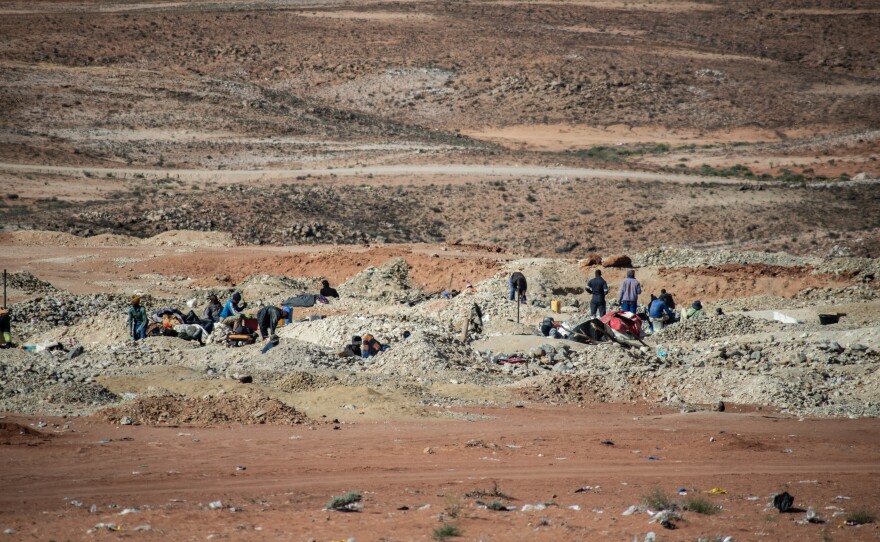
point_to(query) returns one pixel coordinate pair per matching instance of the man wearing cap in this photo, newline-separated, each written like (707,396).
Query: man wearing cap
(694,312)
(137,319)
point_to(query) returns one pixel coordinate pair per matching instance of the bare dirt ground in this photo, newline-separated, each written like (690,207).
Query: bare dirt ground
(537,454)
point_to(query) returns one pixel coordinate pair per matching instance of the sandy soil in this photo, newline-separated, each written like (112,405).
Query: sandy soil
(415,475)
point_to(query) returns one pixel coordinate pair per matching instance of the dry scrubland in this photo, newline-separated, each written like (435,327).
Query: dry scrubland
(396,149)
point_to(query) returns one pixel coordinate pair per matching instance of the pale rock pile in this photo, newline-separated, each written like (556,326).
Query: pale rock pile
(713,327)
(685,257)
(28,283)
(259,290)
(39,315)
(386,283)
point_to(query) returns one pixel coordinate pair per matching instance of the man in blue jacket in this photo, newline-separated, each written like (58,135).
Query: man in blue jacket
(232,314)
(659,313)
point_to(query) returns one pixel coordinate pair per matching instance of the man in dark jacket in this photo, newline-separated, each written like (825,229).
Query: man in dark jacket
(518,285)
(659,313)
(599,288)
(214,308)
(327,291)
(267,319)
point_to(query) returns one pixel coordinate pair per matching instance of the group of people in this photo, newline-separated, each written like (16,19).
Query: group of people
(231,314)
(661,309)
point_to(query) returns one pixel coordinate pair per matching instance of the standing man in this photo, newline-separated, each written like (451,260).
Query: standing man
(629,292)
(137,319)
(599,288)
(5,329)
(518,285)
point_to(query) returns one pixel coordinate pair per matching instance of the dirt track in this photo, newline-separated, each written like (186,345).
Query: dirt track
(465,172)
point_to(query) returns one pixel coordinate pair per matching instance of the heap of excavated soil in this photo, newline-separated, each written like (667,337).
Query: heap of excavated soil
(177,409)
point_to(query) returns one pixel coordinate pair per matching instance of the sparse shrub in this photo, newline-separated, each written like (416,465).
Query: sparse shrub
(498,506)
(11,196)
(447,530)
(553,218)
(195,187)
(345,503)
(700,505)
(453,505)
(860,517)
(659,500)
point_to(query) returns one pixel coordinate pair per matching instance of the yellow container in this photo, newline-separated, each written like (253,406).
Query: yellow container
(556,305)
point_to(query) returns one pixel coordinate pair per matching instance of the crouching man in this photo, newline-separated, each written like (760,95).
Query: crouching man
(268,318)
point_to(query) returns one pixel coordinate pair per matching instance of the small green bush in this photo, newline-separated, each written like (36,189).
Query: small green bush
(659,500)
(860,517)
(445,531)
(344,503)
(700,505)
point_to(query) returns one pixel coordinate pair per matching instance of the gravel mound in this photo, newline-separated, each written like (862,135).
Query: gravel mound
(28,283)
(177,409)
(715,327)
(303,381)
(387,283)
(41,314)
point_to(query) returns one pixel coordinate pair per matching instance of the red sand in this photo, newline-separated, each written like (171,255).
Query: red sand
(535,454)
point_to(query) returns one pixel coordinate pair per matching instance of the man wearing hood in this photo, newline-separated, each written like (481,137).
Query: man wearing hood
(629,292)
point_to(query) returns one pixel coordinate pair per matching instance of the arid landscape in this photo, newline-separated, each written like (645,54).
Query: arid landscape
(174,150)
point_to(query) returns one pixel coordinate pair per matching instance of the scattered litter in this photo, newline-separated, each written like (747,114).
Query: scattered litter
(108,526)
(128,511)
(810,517)
(650,537)
(93,509)
(513,446)
(631,510)
(575,507)
(533,507)
(216,505)
(240,468)
(584,489)
(485,458)
(717,491)
(808,482)
(561,459)
(607,442)
(783,502)
(9,531)
(682,491)
(142,528)
(787,451)
(665,518)
(652,458)
(785,319)
(841,498)
(424,507)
